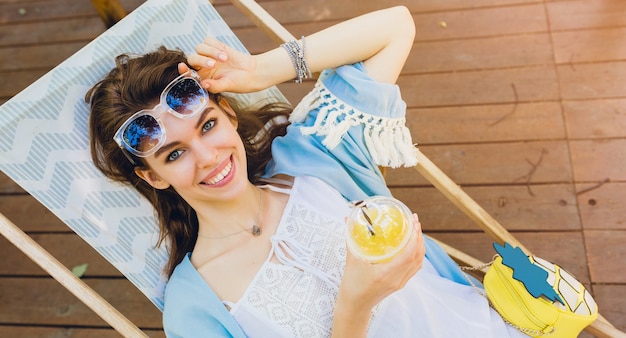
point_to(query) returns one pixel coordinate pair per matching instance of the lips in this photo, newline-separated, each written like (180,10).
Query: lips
(216,179)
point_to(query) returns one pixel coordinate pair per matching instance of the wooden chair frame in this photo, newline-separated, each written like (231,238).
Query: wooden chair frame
(111,11)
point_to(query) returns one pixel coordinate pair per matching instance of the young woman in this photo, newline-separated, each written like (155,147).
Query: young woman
(253,208)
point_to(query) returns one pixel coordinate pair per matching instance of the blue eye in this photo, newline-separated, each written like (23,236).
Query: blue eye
(173,156)
(208,125)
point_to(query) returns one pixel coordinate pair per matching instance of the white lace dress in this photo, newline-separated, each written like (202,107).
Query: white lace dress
(294,294)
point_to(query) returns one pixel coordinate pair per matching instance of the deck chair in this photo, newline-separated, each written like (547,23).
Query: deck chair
(44,149)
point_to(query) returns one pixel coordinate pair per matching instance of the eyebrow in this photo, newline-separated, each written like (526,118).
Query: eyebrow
(168,146)
(203,115)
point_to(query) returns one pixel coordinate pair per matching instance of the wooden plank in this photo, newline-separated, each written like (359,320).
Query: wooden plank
(255,40)
(592,81)
(521,85)
(294,92)
(37,56)
(29,11)
(530,14)
(66,332)
(482,22)
(601,205)
(43,301)
(598,45)
(33,11)
(446,5)
(486,123)
(569,252)
(300,19)
(68,30)
(264,21)
(7,186)
(68,248)
(516,163)
(579,14)
(611,301)
(479,53)
(595,119)
(294,11)
(87,295)
(597,160)
(463,201)
(20,210)
(20,79)
(11,1)
(20,12)
(607,255)
(552,207)
(480,87)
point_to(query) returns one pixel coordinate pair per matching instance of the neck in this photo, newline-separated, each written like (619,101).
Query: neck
(219,220)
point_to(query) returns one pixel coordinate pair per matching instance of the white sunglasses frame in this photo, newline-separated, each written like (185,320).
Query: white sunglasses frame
(156,112)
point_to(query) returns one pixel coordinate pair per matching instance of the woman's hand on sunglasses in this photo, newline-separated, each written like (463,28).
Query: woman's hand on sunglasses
(222,68)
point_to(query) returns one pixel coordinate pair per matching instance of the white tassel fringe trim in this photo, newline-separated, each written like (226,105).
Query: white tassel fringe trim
(387,139)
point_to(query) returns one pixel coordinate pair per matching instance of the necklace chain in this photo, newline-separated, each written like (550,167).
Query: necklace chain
(255,230)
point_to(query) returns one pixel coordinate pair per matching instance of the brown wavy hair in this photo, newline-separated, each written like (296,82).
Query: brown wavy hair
(136,83)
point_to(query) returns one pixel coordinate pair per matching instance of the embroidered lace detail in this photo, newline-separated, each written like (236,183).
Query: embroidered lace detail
(387,139)
(296,288)
(299,294)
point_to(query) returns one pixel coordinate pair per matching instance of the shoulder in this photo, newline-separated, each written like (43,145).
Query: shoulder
(180,290)
(182,276)
(192,309)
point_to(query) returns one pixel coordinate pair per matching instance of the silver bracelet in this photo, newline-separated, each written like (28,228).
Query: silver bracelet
(298,59)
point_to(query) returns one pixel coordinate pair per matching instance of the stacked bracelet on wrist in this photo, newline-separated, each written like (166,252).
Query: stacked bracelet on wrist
(297,57)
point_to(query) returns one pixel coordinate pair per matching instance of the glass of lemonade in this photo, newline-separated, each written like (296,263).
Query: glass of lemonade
(378,228)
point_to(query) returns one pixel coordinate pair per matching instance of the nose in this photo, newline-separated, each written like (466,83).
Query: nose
(206,156)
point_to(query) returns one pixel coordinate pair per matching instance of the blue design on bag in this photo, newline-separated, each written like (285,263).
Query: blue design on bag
(532,276)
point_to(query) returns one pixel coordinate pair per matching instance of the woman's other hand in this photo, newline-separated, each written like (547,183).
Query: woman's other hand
(364,285)
(222,68)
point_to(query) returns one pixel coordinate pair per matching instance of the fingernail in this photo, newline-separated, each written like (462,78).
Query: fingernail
(222,56)
(210,62)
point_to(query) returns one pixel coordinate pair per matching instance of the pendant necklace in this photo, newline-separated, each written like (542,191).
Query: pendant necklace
(255,230)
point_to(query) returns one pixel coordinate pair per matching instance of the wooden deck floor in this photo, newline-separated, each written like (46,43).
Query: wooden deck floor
(521,102)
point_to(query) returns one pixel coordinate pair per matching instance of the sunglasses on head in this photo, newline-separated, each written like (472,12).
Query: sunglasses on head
(143,134)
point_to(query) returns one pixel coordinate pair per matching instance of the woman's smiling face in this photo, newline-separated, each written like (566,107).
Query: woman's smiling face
(203,158)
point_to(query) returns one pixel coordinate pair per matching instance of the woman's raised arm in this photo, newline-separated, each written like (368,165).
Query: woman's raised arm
(382,39)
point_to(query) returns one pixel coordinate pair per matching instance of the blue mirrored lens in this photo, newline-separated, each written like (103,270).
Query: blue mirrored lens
(143,133)
(185,97)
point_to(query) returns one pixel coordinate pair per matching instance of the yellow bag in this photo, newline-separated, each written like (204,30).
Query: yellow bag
(536,296)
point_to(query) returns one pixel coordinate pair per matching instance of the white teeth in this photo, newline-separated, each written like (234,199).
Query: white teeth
(221,175)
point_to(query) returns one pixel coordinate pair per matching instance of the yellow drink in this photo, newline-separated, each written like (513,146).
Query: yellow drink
(378,229)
